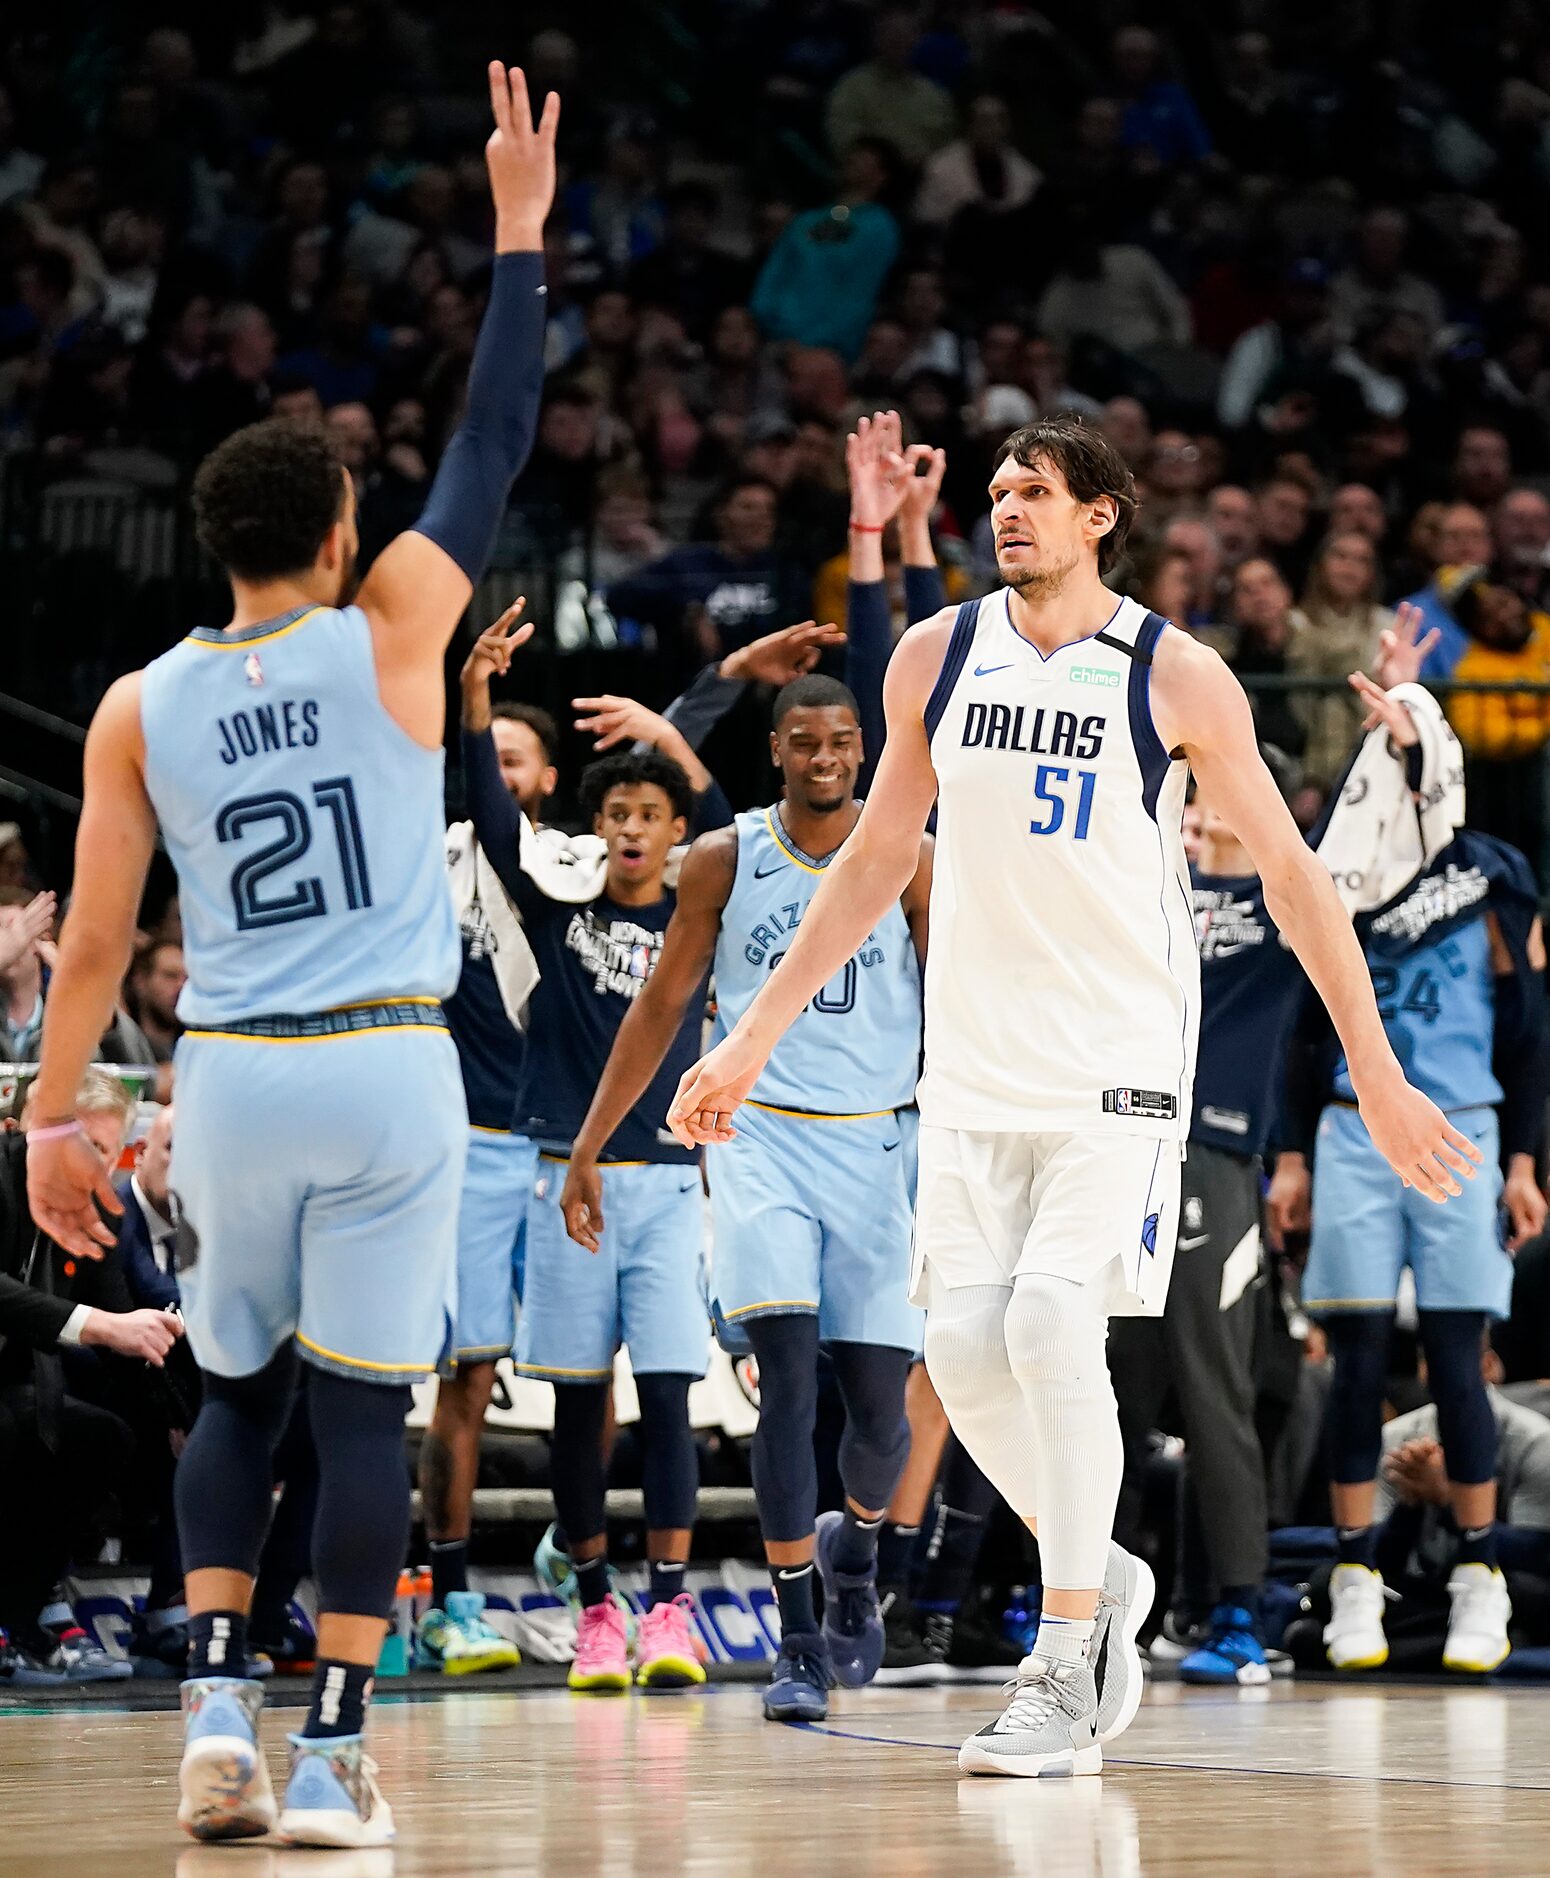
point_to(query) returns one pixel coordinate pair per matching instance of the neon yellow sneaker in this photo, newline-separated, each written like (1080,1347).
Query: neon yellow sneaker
(602,1664)
(667,1652)
(459,1642)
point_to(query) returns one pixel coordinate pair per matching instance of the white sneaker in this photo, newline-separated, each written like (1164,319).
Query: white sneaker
(332,1797)
(1353,1637)
(1477,1624)
(1049,1725)
(1123,1603)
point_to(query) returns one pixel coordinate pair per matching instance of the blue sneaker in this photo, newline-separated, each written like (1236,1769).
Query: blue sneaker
(802,1678)
(1231,1652)
(332,1797)
(852,1618)
(223,1782)
(553,1569)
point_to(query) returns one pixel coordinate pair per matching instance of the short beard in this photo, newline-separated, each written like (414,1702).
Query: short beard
(828,808)
(1038,583)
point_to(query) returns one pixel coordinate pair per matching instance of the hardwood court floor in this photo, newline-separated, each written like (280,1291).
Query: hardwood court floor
(1399,1783)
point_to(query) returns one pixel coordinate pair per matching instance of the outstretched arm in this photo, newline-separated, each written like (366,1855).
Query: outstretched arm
(1201,708)
(651,1023)
(420,584)
(65,1174)
(870,872)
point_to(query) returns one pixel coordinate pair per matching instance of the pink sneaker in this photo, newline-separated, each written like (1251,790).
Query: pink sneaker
(602,1649)
(667,1649)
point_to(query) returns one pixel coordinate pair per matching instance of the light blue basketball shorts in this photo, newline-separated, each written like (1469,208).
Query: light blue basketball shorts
(491,1241)
(812,1214)
(317,1182)
(1367,1227)
(645,1287)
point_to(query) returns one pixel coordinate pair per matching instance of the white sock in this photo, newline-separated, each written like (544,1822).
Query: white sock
(1063,1639)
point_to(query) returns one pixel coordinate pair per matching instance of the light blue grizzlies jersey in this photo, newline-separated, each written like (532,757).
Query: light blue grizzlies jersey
(306,825)
(1430,958)
(855,1049)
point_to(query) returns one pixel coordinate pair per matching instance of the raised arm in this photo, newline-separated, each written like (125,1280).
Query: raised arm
(871,871)
(1200,708)
(420,584)
(651,1023)
(65,1174)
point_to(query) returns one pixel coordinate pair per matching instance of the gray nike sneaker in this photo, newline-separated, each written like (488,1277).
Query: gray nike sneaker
(1049,1725)
(1126,1597)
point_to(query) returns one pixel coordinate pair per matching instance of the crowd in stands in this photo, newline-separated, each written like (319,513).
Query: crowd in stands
(1294,264)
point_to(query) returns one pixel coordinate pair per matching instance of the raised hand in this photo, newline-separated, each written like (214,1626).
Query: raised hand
(777,658)
(612,719)
(492,650)
(923,487)
(520,160)
(1401,652)
(28,929)
(878,470)
(1384,708)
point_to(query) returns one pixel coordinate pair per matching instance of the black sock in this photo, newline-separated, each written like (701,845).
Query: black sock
(558,1539)
(1358,1545)
(794,1594)
(592,1579)
(895,1554)
(950,1558)
(340,1692)
(855,1544)
(218,1644)
(667,1579)
(1477,1546)
(449,1569)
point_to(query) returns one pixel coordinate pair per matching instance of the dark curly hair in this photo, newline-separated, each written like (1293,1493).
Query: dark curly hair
(265,498)
(622,768)
(1090,466)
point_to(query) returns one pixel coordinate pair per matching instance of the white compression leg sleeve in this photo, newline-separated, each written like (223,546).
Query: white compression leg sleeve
(966,1357)
(1056,1333)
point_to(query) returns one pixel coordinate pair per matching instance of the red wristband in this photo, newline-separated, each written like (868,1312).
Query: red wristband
(866,528)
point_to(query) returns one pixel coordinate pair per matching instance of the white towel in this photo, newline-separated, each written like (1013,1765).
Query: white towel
(1379,837)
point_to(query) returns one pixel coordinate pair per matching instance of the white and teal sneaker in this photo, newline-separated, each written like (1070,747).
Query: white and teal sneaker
(223,1784)
(332,1797)
(553,1568)
(459,1642)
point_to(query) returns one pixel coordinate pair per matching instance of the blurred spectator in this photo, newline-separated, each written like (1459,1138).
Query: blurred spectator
(1284,349)
(1234,517)
(1165,582)
(687,274)
(20,170)
(1171,482)
(1041,368)
(886,99)
(1482,466)
(714,596)
(1160,115)
(822,277)
(235,389)
(1125,423)
(1521,530)
(1377,283)
(147,1230)
(1356,509)
(1335,632)
(1195,539)
(1285,510)
(156,981)
(1115,292)
(982,174)
(1265,631)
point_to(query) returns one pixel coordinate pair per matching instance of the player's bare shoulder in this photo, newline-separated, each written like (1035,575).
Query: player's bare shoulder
(917,659)
(1193,690)
(709,870)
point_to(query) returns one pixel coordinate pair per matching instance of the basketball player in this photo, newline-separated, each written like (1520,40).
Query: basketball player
(1457,961)
(293,760)
(454,1635)
(1054,726)
(810,1206)
(645,1287)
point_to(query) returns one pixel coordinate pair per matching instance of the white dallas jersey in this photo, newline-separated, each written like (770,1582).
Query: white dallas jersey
(1062,982)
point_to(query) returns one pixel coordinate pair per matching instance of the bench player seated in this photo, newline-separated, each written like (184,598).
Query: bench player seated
(643,1285)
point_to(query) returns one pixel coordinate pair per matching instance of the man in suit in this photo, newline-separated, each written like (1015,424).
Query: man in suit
(61,1456)
(146,1231)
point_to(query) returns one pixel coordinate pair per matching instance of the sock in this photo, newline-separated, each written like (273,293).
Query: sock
(950,1558)
(1358,1546)
(340,1692)
(218,1644)
(667,1579)
(855,1544)
(558,1539)
(592,1579)
(1477,1546)
(1063,1639)
(794,1594)
(449,1569)
(895,1550)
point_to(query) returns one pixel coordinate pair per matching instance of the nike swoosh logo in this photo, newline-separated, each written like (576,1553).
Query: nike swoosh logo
(984,671)
(1101,1666)
(763,873)
(889,1146)
(1191,1245)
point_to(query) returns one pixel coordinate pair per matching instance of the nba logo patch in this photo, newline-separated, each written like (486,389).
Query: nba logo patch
(253,668)
(1122,1101)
